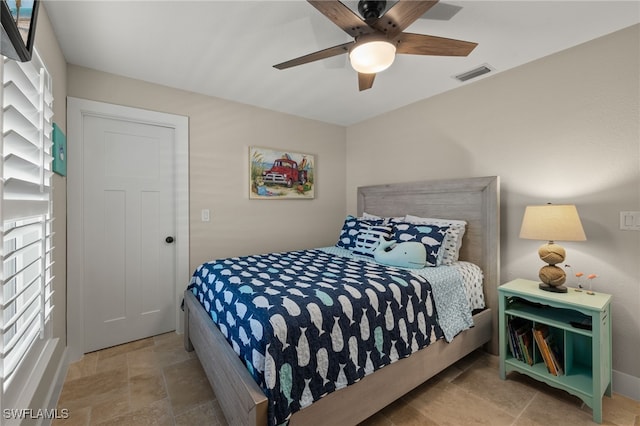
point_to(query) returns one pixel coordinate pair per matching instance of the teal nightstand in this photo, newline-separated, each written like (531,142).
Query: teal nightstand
(577,324)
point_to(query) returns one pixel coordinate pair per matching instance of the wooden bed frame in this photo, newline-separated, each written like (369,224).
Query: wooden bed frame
(475,200)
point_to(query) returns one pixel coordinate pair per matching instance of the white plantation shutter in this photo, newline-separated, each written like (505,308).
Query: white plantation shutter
(25,191)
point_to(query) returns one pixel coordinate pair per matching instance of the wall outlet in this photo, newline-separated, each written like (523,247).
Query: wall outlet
(630,221)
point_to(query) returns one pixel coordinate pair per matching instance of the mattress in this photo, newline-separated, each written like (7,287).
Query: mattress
(306,323)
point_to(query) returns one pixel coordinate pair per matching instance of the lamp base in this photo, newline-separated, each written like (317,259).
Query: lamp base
(553,289)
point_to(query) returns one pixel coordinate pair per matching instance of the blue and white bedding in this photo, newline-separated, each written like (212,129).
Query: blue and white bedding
(453,296)
(306,323)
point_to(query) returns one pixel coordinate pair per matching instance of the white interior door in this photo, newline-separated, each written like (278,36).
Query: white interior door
(129,222)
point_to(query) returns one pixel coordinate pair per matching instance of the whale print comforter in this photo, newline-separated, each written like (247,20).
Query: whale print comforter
(306,323)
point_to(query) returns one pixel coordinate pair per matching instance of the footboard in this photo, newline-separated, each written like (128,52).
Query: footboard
(241,399)
(243,402)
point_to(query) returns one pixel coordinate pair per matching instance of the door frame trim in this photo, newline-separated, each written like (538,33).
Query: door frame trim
(77,109)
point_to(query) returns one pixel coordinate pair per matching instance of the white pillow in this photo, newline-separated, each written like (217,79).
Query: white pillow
(450,250)
(367,216)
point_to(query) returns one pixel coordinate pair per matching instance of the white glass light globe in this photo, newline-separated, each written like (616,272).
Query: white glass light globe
(372,57)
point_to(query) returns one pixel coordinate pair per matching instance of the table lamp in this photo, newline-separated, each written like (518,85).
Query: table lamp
(552,223)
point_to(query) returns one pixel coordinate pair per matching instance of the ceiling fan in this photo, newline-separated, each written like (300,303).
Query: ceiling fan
(379,36)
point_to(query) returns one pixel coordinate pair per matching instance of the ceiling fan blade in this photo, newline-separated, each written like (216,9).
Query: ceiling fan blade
(316,56)
(400,16)
(421,44)
(342,16)
(365,81)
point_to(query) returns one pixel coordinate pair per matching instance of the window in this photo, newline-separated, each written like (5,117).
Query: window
(25,191)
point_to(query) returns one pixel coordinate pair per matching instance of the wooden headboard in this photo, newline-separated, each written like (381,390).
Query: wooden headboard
(475,200)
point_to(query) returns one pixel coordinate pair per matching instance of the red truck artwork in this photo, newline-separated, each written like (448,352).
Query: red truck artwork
(285,172)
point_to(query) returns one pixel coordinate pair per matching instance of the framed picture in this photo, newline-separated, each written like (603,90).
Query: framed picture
(59,164)
(275,174)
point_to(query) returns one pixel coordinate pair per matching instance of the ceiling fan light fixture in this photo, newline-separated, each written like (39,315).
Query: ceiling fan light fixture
(371,57)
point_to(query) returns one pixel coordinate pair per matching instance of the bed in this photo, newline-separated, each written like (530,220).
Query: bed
(474,200)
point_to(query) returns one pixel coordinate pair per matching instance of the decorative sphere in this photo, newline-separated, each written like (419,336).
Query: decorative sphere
(552,253)
(552,275)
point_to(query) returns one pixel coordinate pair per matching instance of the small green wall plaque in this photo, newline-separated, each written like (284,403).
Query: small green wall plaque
(59,151)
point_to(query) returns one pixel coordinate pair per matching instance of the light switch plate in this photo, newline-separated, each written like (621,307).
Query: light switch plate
(630,220)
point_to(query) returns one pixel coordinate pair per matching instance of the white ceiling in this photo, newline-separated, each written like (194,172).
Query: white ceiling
(227,48)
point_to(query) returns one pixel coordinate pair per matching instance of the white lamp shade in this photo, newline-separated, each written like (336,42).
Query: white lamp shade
(373,56)
(552,223)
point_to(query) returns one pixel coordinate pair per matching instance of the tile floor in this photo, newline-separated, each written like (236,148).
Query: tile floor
(155,382)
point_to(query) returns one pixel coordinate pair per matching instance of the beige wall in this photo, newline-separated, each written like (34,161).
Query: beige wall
(563,129)
(220,134)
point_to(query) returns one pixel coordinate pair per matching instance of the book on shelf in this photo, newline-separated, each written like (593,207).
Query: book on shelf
(514,345)
(549,350)
(526,341)
(521,339)
(556,355)
(544,349)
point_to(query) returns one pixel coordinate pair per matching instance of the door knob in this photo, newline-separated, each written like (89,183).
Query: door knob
(169,239)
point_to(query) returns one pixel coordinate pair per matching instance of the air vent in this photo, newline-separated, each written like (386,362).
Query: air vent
(477,72)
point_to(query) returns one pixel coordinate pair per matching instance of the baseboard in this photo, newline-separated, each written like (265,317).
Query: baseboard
(48,392)
(626,384)
(56,388)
